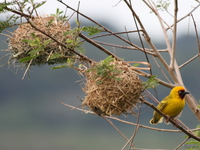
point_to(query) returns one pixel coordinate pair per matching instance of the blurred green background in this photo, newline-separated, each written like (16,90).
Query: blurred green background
(32,118)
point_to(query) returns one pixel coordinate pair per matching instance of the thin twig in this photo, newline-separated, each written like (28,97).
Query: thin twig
(184,16)
(108,34)
(196,32)
(176,77)
(29,64)
(135,18)
(161,69)
(99,46)
(117,129)
(146,36)
(19,13)
(187,62)
(126,47)
(100,25)
(182,143)
(137,126)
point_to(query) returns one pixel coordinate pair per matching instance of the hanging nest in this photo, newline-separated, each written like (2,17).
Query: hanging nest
(111,89)
(24,42)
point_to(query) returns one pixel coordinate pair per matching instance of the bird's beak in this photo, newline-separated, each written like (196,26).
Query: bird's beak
(184,93)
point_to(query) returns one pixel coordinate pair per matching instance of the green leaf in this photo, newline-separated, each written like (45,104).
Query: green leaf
(60,66)
(10,22)
(135,65)
(25,59)
(80,49)
(37,5)
(106,70)
(92,30)
(107,60)
(55,55)
(35,52)
(58,15)
(4,5)
(151,82)
(47,42)
(69,32)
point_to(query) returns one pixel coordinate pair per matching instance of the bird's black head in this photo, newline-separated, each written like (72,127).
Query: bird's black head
(182,93)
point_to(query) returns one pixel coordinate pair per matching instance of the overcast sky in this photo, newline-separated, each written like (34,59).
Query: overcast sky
(117,13)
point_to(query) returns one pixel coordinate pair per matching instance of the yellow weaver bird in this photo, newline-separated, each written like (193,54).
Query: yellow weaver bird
(171,105)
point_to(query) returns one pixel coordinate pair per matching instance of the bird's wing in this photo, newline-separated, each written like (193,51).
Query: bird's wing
(162,104)
(157,117)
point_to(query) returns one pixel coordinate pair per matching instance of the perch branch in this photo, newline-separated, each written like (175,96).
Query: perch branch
(191,135)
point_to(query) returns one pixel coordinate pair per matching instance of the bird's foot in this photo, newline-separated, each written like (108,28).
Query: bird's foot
(167,119)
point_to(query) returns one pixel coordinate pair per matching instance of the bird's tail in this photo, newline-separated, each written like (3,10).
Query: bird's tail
(155,121)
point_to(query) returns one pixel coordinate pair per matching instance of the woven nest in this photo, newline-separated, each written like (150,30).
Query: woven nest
(21,49)
(116,93)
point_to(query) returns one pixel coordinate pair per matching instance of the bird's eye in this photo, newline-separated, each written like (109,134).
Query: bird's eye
(181,91)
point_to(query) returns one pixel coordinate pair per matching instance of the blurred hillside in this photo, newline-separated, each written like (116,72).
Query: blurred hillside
(32,118)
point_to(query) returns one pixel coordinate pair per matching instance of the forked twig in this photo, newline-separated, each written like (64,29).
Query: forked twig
(29,64)
(117,130)
(182,143)
(123,121)
(187,62)
(196,32)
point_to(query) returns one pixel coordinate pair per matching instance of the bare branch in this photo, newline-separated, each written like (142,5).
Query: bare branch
(187,62)
(99,46)
(174,35)
(161,70)
(126,47)
(100,25)
(184,16)
(196,32)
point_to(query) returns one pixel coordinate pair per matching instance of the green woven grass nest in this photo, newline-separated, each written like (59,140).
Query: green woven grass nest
(29,45)
(115,92)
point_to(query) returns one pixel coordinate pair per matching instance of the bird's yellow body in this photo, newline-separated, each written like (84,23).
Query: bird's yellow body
(171,105)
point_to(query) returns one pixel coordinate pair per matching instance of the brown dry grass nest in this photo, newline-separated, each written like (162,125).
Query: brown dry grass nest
(113,93)
(21,49)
